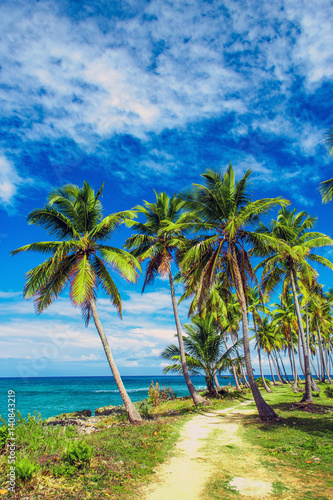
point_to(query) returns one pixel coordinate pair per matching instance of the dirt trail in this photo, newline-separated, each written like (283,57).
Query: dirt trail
(210,444)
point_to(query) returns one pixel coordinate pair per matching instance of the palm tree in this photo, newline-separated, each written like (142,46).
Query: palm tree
(158,239)
(204,351)
(320,316)
(287,252)
(254,303)
(225,210)
(284,318)
(80,259)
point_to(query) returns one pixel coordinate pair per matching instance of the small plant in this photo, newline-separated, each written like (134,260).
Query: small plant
(145,408)
(156,394)
(3,434)
(167,394)
(65,470)
(329,392)
(260,382)
(78,453)
(24,469)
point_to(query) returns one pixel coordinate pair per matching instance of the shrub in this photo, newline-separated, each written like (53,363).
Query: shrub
(260,383)
(329,392)
(145,408)
(77,453)
(156,394)
(65,470)
(24,469)
(3,434)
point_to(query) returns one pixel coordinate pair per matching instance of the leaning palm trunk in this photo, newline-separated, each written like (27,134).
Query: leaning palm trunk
(234,372)
(194,393)
(322,356)
(133,415)
(267,389)
(283,368)
(301,364)
(307,398)
(217,385)
(270,367)
(241,368)
(294,386)
(314,386)
(276,367)
(265,411)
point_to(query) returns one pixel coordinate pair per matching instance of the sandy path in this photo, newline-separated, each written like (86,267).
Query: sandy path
(185,474)
(211,448)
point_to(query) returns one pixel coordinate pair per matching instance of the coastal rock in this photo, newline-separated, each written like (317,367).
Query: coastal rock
(109,410)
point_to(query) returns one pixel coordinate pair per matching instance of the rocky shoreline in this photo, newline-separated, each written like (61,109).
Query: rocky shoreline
(85,422)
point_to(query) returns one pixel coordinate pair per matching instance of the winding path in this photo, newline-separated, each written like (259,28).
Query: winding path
(211,446)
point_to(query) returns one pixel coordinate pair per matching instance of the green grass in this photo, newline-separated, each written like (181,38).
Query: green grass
(303,439)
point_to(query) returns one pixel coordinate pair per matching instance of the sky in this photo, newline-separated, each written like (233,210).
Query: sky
(146,95)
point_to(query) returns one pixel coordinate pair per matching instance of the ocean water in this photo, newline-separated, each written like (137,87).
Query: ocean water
(51,396)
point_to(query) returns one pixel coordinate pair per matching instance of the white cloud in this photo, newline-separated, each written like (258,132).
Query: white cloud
(9,181)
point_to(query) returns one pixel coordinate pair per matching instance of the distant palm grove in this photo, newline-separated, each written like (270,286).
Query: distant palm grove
(232,255)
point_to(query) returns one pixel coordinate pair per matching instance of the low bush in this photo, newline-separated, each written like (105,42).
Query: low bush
(260,382)
(156,395)
(329,391)
(3,434)
(24,469)
(145,409)
(78,453)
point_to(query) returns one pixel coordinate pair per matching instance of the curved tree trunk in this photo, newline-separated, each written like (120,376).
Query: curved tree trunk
(238,387)
(307,398)
(265,411)
(322,355)
(314,386)
(133,415)
(300,353)
(210,385)
(267,389)
(217,385)
(294,386)
(276,368)
(197,398)
(283,367)
(270,367)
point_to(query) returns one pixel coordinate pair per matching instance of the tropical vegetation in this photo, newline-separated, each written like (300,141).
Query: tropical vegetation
(229,257)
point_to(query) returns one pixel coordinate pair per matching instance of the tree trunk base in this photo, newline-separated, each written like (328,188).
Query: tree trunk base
(198,399)
(306,399)
(314,386)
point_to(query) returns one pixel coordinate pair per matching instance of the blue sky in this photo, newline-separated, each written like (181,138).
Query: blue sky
(142,96)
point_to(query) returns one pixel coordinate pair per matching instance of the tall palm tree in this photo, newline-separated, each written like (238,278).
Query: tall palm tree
(320,316)
(266,339)
(287,253)
(226,211)
(204,351)
(159,239)
(79,260)
(284,318)
(254,304)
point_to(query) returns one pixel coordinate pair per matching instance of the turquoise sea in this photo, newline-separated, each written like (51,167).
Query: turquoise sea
(51,396)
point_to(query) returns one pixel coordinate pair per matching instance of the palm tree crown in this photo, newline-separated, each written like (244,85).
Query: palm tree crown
(81,257)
